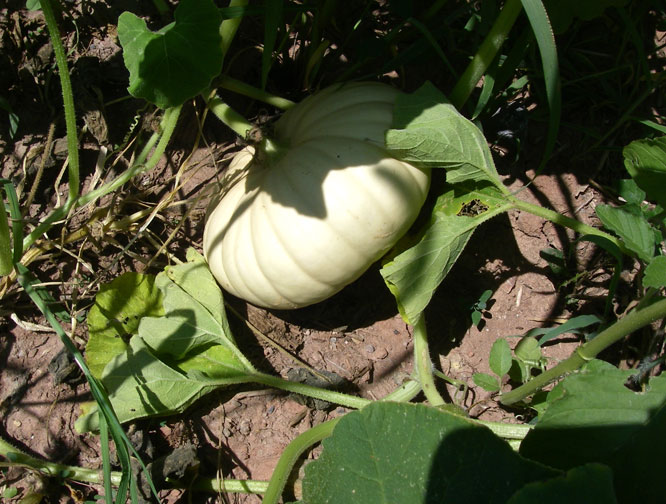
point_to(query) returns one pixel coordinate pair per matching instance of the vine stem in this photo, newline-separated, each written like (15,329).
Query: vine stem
(565,221)
(423,364)
(83,474)
(588,351)
(290,456)
(331,396)
(230,117)
(67,100)
(486,53)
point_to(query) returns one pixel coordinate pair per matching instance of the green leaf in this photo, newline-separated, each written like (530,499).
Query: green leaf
(6,259)
(500,357)
(588,484)
(655,273)
(13,118)
(486,382)
(573,325)
(629,190)
(119,306)
(413,275)
(597,419)
(410,453)
(476,318)
(563,12)
(645,160)
(634,230)
(528,349)
(429,131)
(195,311)
(179,61)
(140,384)
(174,359)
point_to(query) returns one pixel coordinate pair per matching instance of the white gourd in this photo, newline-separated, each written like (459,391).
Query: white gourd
(307,218)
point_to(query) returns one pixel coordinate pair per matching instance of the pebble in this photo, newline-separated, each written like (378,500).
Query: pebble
(245,428)
(369,348)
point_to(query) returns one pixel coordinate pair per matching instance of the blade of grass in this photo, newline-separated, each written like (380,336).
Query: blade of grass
(273,16)
(67,100)
(538,18)
(106,458)
(123,445)
(17,220)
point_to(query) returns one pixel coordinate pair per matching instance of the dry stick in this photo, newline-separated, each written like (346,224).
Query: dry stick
(588,351)
(40,171)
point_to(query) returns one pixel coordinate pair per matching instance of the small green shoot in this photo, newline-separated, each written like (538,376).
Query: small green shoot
(500,364)
(479,307)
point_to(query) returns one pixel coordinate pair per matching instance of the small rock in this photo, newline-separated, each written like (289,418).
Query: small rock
(369,348)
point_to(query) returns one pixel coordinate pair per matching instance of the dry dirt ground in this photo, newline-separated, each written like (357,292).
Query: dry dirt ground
(357,334)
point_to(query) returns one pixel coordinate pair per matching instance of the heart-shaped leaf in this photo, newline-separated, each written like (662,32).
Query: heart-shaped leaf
(177,62)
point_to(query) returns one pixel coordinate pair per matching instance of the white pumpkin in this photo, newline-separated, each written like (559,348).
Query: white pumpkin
(308,217)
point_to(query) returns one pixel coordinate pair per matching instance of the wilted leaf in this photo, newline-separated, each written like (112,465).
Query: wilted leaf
(176,358)
(119,306)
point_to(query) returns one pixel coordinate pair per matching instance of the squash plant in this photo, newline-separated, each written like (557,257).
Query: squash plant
(158,361)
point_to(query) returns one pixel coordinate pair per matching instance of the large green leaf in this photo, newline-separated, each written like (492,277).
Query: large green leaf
(177,62)
(428,131)
(119,306)
(588,484)
(195,311)
(411,453)
(596,418)
(645,160)
(635,231)
(174,359)
(413,275)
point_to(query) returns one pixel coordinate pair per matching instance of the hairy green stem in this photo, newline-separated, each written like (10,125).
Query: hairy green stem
(486,53)
(331,396)
(588,351)
(240,87)
(290,456)
(230,117)
(565,221)
(67,99)
(507,431)
(423,364)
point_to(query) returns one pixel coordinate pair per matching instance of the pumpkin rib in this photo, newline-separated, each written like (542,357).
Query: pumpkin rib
(290,253)
(349,242)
